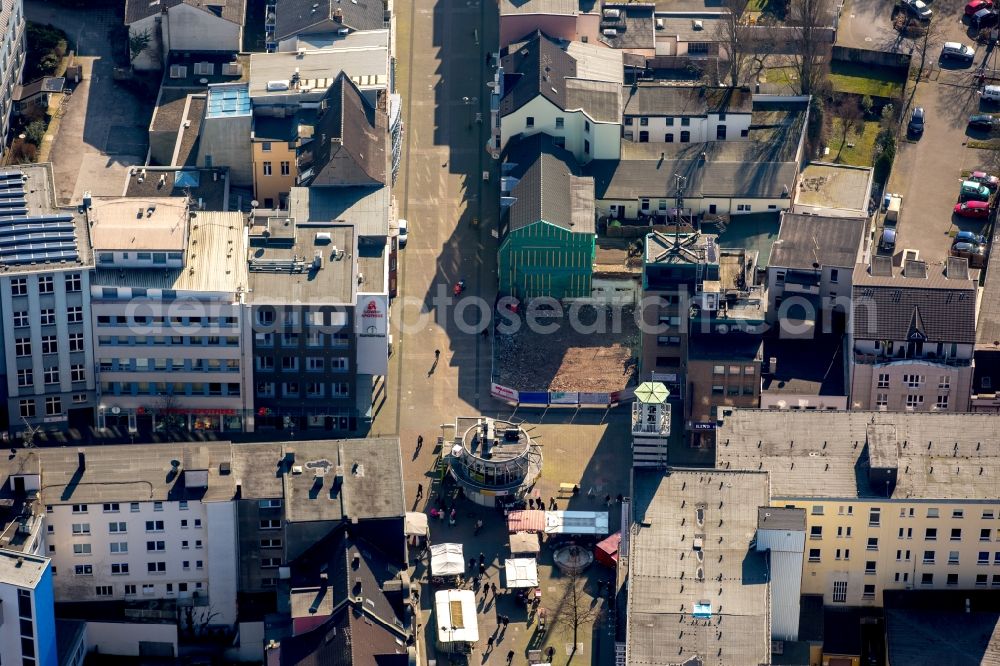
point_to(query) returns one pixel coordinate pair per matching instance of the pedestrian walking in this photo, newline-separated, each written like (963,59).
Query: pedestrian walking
(505,620)
(420,490)
(552,504)
(437,354)
(482,558)
(479,526)
(510,657)
(489,644)
(420,441)
(482,568)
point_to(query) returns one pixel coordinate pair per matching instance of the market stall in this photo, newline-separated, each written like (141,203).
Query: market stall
(524,543)
(531,520)
(576,522)
(455,617)
(520,572)
(447,559)
(606,552)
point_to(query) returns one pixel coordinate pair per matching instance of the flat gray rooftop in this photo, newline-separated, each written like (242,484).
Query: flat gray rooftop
(678,516)
(825,454)
(20,569)
(834,186)
(284,267)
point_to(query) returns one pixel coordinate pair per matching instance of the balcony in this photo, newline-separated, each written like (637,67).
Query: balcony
(863,358)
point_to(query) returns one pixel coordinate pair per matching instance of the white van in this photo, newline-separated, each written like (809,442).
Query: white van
(991,93)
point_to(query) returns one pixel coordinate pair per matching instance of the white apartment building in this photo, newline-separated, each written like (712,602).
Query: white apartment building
(170,346)
(653,112)
(48,355)
(134,523)
(11,57)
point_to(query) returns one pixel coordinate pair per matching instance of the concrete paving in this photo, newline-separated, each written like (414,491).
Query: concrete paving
(98,113)
(452,215)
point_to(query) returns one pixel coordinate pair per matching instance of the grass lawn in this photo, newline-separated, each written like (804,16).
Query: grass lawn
(849,77)
(863,149)
(785,77)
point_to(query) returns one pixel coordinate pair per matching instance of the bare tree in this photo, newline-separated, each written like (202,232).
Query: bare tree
(811,21)
(737,39)
(851,119)
(576,609)
(926,44)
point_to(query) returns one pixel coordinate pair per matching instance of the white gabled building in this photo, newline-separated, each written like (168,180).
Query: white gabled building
(185,25)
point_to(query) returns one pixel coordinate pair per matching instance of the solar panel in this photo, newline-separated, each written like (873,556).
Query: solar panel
(27,238)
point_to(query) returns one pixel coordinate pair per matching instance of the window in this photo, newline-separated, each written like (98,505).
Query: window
(157,506)
(117,527)
(270,562)
(148,588)
(198,564)
(872,543)
(286,168)
(81,549)
(267,168)
(669,138)
(685,135)
(84,570)
(914,401)
(953,556)
(953,579)
(881,399)
(130,589)
(944,382)
(134,507)
(47,317)
(870,568)
(869,592)
(983,557)
(932,513)
(184,524)
(913,381)
(79,508)
(984,534)
(75,343)
(73,282)
(19,287)
(197,544)
(817,510)
(930,534)
(987,515)
(46,285)
(118,547)
(53,405)
(995,581)
(560,123)
(529,121)
(182,505)
(104,591)
(197,523)
(720,132)
(22,347)
(156,546)
(814,554)
(839,591)
(270,524)
(927,579)
(25,377)
(154,525)
(685,122)
(74,314)
(265,146)
(874,517)
(980,580)
(928,557)
(269,504)
(27,407)
(156,567)
(883,380)
(21,319)
(956,534)
(942,402)
(270,543)
(50,345)
(111,507)
(51,375)
(185,565)
(185,545)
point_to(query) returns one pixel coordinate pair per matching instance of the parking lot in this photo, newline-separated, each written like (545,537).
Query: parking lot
(927,172)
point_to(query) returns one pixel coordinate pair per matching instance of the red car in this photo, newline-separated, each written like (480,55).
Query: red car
(972,209)
(977,5)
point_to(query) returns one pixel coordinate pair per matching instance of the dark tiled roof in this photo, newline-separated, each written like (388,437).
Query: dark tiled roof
(549,187)
(303,16)
(349,142)
(536,67)
(807,239)
(601,100)
(631,179)
(655,99)
(885,308)
(231,10)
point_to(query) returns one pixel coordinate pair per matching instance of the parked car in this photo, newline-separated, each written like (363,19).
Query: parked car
(403,236)
(986,179)
(919,9)
(983,121)
(958,51)
(887,242)
(916,125)
(973,191)
(984,18)
(972,209)
(968,237)
(977,6)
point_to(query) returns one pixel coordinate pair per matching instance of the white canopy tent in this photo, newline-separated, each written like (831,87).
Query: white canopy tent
(524,542)
(415,524)
(447,559)
(521,572)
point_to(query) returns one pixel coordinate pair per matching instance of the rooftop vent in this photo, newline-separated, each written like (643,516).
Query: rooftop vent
(697,24)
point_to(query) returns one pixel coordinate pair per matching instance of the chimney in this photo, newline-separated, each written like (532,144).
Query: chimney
(81,459)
